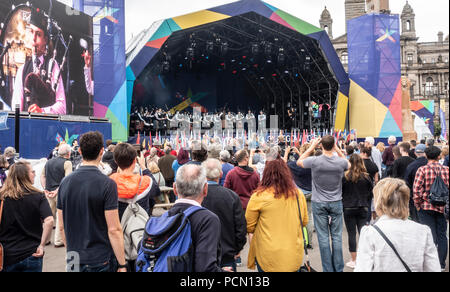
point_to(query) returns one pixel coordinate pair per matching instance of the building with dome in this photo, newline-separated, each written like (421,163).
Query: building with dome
(424,63)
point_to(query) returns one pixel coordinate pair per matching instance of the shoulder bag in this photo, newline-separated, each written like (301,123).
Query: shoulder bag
(306,268)
(392,246)
(1,246)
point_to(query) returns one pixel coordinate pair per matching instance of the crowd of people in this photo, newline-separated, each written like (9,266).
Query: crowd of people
(276,198)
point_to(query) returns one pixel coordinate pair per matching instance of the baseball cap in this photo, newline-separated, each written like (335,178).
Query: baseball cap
(420,148)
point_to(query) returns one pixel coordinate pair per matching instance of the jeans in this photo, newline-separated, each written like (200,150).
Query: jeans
(355,220)
(110,266)
(438,225)
(332,257)
(30,265)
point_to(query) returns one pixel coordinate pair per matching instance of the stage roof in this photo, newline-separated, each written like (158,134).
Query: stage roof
(238,25)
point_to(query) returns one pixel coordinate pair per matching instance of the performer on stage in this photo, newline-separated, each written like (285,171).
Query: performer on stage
(262,123)
(33,91)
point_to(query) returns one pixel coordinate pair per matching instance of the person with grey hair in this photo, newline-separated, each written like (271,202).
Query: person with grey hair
(55,170)
(214,150)
(10,155)
(227,206)
(225,157)
(191,188)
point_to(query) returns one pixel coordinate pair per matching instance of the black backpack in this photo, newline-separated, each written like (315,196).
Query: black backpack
(438,192)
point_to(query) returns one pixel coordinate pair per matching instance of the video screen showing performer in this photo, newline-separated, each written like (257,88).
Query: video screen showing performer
(46,58)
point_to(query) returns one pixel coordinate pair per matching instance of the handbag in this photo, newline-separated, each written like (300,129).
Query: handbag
(306,268)
(392,246)
(1,246)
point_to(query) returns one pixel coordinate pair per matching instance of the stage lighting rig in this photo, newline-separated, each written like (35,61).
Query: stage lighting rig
(209,47)
(255,48)
(224,49)
(281,56)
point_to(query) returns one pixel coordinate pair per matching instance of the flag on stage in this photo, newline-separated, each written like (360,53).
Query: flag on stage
(59,138)
(138,141)
(151,141)
(143,144)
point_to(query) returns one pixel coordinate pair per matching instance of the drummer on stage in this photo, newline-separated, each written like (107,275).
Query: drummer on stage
(30,87)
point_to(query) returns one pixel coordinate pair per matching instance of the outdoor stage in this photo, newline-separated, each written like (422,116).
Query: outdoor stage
(242,56)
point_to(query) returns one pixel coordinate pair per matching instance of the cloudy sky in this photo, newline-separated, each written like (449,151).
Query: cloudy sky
(432,16)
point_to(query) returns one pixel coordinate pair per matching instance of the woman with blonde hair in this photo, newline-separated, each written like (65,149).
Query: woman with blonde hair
(156,172)
(22,233)
(356,199)
(394,243)
(381,147)
(273,221)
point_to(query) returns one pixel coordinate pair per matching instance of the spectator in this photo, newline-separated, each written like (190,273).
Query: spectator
(356,199)
(108,158)
(431,215)
(153,156)
(446,161)
(214,150)
(376,153)
(130,184)
(4,165)
(349,150)
(400,164)
(257,162)
(444,154)
(410,176)
(371,167)
(303,179)
(10,155)
(227,206)
(226,166)
(157,175)
(242,179)
(165,165)
(396,153)
(327,173)
(388,155)
(413,241)
(182,159)
(381,147)
(412,151)
(87,198)
(430,142)
(22,233)
(199,153)
(55,170)
(191,187)
(273,221)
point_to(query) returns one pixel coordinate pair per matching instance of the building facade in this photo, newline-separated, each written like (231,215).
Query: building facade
(424,63)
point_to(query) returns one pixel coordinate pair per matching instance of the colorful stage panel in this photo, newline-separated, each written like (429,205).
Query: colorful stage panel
(375,73)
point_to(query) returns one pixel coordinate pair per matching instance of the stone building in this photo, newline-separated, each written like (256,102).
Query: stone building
(424,63)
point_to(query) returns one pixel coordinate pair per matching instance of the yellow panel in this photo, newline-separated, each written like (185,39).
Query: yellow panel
(198,18)
(367,114)
(341,113)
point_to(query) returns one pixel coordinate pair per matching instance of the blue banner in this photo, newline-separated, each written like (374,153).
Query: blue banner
(39,137)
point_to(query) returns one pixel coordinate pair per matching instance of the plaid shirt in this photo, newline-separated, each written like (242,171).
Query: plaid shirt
(424,180)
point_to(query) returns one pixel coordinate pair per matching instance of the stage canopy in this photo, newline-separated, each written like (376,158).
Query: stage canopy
(277,61)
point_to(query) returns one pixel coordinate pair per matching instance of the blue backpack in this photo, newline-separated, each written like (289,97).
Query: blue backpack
(167,244)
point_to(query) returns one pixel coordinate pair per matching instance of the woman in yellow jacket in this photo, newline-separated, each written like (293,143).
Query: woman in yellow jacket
(273,222)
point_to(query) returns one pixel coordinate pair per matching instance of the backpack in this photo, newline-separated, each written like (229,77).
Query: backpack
(167,244)
(133,224)
(438,192)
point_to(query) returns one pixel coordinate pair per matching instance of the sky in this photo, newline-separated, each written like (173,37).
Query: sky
(432,16)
